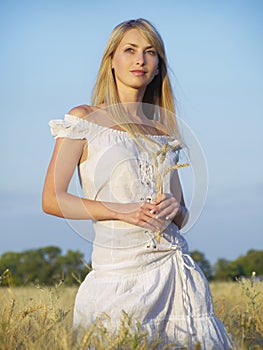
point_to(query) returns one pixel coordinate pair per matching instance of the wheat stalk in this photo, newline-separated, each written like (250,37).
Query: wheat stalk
(159,158)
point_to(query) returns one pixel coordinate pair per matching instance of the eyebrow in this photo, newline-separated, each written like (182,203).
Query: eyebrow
(134,45)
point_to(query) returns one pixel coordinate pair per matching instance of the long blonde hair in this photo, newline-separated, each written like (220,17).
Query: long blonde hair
(158,93)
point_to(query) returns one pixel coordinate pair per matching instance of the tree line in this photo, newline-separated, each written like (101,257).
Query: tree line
(48,266)
(43,266)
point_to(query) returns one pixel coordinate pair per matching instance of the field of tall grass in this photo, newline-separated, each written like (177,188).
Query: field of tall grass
(34,318)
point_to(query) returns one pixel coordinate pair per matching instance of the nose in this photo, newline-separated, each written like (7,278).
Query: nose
(140,59)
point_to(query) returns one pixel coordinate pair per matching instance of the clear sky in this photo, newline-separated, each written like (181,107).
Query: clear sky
(50,54)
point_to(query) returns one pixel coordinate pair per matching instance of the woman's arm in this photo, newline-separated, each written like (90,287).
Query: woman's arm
(57,201)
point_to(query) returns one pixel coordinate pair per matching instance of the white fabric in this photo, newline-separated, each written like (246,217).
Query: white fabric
(156,284)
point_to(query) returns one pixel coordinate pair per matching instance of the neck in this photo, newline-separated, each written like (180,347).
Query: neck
(132,102)
(130,94)
(134,111)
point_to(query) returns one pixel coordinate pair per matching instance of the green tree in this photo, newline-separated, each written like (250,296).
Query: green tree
(244,265)
(225,270)
(203,263)
(252,261)
(43,266)
(71,266)
(10,260)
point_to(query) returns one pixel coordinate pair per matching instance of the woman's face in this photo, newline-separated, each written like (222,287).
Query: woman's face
(135,62)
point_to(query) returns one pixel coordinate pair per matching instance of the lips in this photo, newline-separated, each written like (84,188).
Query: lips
(138,72)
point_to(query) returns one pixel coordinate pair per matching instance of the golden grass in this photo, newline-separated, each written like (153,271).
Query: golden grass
(32,318)
(240,307)
(35,319)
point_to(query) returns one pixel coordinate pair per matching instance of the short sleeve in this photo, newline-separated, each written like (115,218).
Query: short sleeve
(71,127)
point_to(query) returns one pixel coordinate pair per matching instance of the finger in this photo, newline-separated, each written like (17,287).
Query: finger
(149,210)
(166,213)
(155,219)
(167,202)
(156,225)
(169,212)
(174,213)
(160,198)
(169,215)
(148,207)
(150,226)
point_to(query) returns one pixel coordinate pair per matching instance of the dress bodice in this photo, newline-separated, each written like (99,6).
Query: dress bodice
(117,168)
(123,170)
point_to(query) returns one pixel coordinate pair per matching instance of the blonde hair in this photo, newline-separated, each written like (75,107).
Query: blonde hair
(158,93)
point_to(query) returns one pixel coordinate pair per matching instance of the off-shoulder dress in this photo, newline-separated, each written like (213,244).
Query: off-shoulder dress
(156,284)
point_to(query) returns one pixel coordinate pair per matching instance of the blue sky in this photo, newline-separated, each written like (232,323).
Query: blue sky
(50,54)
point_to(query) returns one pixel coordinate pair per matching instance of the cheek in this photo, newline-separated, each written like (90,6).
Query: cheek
(154,65)
(119,62)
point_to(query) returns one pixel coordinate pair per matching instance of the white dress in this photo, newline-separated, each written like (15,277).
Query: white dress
(156,284)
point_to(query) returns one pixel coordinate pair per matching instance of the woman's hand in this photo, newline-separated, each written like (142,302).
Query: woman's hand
(167,207)
(154,216)
(141,214)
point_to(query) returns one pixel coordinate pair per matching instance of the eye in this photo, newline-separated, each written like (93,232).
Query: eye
(129,50)
(151,52)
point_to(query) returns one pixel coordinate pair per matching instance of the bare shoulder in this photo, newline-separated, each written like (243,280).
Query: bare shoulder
(95,114)
(82,111)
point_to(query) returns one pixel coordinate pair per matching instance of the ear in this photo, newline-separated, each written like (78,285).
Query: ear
(112,63)
(157,71)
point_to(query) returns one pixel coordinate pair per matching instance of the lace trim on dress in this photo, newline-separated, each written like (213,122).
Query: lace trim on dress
(69,127)
(77,128)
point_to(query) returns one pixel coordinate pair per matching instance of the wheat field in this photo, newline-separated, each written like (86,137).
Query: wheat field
(35,318)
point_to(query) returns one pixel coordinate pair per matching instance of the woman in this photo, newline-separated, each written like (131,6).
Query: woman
(126,147)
